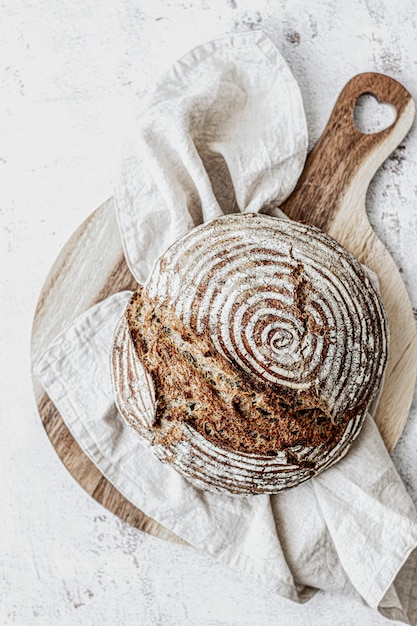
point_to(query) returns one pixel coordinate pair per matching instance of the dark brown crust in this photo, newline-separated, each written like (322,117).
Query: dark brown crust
(196,385)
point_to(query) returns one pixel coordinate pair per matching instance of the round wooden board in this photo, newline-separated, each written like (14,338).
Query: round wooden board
(92,267)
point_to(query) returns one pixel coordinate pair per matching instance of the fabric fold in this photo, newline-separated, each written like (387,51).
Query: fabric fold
(224,131)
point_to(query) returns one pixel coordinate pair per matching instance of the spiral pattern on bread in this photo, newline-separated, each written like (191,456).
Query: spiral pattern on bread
(289,316)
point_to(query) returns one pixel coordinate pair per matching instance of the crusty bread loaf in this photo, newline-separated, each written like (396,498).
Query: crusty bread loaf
(251,355)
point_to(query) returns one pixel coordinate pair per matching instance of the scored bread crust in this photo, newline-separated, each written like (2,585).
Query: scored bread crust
(251,355)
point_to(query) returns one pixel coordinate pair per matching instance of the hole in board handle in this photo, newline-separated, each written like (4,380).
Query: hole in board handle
(371,116)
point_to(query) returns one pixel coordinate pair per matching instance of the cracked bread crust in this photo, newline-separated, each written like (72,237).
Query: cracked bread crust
(196,385)
(249,358)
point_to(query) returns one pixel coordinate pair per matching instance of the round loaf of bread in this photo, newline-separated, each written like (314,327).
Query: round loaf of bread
(250,357)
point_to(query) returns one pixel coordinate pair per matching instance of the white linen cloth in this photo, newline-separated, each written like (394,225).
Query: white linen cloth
(225,131)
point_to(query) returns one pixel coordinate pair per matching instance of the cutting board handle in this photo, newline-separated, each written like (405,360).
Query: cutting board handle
(345,159)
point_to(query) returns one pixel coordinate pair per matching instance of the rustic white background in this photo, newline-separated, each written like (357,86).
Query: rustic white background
(73,75)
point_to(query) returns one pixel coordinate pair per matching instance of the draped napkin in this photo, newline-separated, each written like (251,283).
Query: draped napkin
(225,131)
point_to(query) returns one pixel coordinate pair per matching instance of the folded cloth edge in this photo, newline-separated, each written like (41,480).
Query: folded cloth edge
(191,59)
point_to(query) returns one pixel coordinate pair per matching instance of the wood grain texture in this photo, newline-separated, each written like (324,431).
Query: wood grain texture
(330,194)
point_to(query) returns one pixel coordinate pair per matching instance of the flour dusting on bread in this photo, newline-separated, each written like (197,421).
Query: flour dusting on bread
(264,342)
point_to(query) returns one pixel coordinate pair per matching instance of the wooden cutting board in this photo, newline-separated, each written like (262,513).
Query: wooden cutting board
(330,194)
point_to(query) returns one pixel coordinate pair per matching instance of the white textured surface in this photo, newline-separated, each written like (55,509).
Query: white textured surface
(72,78)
